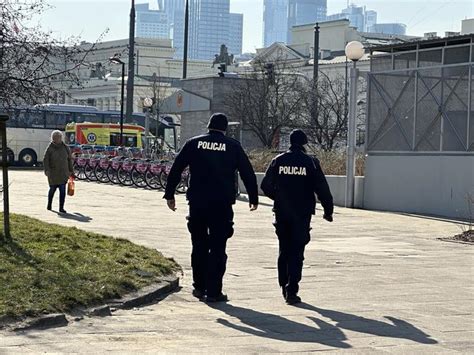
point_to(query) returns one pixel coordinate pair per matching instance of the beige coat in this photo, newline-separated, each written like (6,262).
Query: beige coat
(57,163)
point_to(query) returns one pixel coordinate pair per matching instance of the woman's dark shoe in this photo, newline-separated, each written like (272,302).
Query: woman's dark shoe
(219,298)
(62,210)
(49,208)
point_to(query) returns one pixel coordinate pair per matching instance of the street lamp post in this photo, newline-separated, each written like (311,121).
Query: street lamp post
(116,60)
(186,40)
(148,104)
(354,51)
(131,64)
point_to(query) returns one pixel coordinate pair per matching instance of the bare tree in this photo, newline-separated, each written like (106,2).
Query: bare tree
(266,100)
(34,66)
(324,111)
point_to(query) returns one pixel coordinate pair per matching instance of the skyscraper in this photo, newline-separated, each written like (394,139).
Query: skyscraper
(358,16)
(210,26)
(275,22)
(174,9)
(370,19)
(389,28)
(303,12)
(236,24)
(151,23)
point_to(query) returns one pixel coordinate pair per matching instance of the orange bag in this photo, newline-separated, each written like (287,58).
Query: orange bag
(70,186)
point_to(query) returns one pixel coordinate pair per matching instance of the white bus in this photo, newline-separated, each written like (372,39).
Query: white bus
(29,129)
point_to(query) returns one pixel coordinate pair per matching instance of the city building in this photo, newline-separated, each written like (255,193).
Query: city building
(151,23)
(358,16)
(301,12)
(236,25)
(275,22)
(210,26)
(370,19)
(389,28)
(334,35)
(101,79)
(174,9)
(467,26)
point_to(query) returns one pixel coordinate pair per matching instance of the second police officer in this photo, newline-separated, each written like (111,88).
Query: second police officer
(292,180)
(213,160)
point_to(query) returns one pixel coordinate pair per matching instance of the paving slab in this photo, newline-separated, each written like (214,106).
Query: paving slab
(373,282)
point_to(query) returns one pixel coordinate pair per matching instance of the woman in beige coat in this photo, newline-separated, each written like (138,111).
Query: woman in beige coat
(57,163)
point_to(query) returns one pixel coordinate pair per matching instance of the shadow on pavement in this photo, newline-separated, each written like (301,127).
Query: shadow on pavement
(75,216)
(397,329)
(276,327)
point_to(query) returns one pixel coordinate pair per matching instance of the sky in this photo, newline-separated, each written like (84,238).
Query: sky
(90,18)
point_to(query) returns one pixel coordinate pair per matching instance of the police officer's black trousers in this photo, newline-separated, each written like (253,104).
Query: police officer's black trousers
(210,227)
(293,235)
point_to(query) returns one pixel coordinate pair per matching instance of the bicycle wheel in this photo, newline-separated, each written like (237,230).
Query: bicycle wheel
(153,180)
(79,172)
(124,177)
(89,173)
(101,174)
(138,179)
(183,185)
(112,175)
(163,177)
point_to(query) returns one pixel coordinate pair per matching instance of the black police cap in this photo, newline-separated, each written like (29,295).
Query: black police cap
(218,121)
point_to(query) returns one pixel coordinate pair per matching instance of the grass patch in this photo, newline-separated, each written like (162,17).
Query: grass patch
(48,268)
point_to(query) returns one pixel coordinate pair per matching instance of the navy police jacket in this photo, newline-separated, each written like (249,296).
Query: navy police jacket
(213,160)
(292,180)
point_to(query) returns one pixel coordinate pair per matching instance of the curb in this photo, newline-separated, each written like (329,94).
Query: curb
(44,322)
(140,298)
(147,295)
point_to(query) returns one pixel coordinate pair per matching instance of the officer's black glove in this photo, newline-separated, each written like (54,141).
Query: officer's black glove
(328,218)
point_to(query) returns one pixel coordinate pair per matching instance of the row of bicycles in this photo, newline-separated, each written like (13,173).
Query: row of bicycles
(127,166)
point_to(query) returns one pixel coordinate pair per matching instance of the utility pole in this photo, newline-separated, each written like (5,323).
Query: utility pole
(5,163)
(316,53)
(186,37)
(131,64)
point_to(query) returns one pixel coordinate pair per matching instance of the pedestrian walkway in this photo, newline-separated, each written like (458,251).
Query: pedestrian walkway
(373,282)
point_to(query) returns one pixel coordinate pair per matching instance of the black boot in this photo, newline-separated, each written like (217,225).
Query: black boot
(199,294)
(293,299)
(220,298)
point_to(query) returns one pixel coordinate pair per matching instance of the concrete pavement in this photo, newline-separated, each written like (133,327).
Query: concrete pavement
(373,282)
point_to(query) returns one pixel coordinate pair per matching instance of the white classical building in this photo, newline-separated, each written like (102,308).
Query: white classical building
(101,80)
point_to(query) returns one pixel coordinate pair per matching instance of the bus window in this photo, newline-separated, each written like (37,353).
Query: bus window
(35,119)
(51,119)
(111,118)
(58,120)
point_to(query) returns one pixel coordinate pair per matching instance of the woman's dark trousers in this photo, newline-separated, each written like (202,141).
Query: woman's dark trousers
(62,195)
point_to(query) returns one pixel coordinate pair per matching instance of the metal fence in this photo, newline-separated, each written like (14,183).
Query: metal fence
(422,101)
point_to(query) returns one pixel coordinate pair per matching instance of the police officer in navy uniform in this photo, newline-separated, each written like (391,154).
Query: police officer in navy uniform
(292,180)
(213,160)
